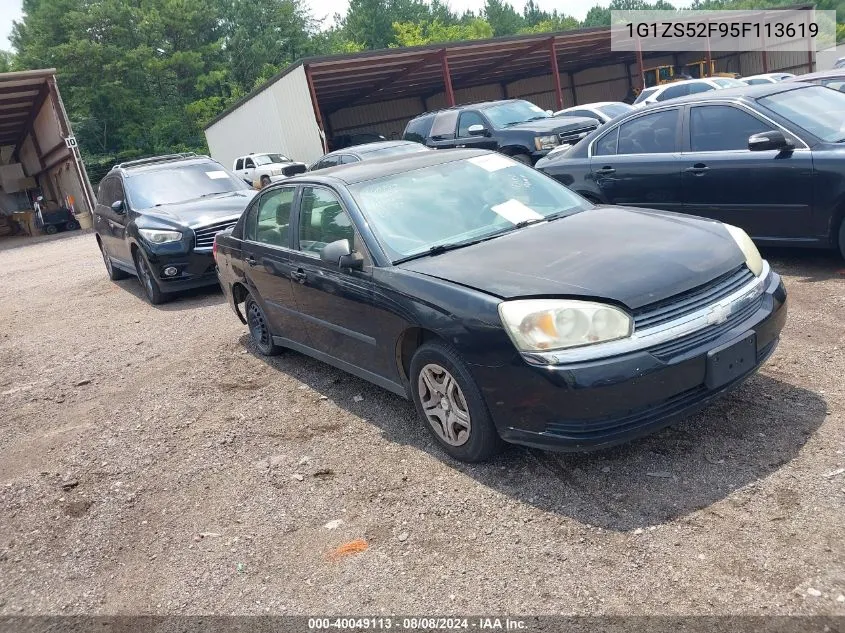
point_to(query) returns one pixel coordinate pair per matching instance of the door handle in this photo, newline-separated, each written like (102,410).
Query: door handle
(606,171)
(699,169)
(298,275)
(251,261)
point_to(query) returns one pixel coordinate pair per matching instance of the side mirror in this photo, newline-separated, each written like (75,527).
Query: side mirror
(477,130)
(339,252)
(768,141)
(117,206)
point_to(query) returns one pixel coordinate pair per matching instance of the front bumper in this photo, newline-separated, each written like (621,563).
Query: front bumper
(195,268)
(596,404)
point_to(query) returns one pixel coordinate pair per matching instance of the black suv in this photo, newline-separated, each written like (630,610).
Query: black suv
(514,127)
(157,217)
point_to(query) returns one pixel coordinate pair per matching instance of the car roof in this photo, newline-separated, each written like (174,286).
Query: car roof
(822,74)
(386,166)
(748,92)
(366,148)
(164,164)
(479,105)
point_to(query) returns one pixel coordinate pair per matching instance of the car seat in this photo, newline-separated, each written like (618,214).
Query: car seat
(278,235)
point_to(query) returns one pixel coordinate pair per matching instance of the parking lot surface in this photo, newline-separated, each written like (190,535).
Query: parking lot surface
(151,462)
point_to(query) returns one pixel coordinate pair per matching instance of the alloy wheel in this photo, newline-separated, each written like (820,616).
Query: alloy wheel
(146,276)
(444,404)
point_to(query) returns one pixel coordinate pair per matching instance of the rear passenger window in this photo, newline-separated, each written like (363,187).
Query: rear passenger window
(269,222)
(700,87)
(673,92)
(606,145)
(418,129)
(720,128)
(346,159)
(649,134)
(444,125)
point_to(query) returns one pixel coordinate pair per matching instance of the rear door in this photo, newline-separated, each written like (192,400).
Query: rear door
(267,264)
(111,226)
(768,193)
(637,163)
(338,304)
(249,169)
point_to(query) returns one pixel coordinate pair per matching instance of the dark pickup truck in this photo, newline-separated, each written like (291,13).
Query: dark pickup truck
(513,127)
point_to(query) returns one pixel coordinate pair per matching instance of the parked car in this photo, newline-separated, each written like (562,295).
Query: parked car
(157,217)
(676,89)
(368,151)
(840,63)
(504,305)
(514,127)
(602,111)
(767,78)
(769,158)
(259,170)
(360,138)
(833,79)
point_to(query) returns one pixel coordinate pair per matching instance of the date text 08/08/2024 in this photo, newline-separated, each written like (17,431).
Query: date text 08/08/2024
(417,624)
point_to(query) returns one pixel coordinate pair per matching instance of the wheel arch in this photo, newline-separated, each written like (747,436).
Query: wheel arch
(409,341)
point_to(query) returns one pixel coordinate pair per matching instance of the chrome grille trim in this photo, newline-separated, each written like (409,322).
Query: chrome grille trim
(204,235)
(712,314)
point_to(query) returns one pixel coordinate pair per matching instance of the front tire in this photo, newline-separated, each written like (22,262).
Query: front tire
(451,405)
(148,282)
(259,328)
(50,229)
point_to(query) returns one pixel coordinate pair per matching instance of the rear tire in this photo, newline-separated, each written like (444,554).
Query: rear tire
(451,405)
(50,229)
(114,273)
(525,159)
(145,275)
(259,328)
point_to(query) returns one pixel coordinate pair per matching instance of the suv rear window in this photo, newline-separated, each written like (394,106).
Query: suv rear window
(418,129)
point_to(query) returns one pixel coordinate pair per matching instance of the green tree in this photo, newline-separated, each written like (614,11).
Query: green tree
(435,31)
(502,17)
(6,61)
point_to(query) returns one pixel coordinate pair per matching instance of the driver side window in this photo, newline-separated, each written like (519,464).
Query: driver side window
(468,119)
(249,164)
(322,221)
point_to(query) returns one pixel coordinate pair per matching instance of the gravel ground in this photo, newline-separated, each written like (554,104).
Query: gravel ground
(151,462)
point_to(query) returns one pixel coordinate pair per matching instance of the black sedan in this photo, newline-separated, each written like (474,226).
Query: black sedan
(367,151)
(770,159)
(504,305)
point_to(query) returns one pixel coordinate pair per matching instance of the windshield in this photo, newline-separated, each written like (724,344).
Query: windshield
(645,94)
(458,203)
(266,159)
(818,110)
(725,82)
(180,184)
(612,110)
(513,112)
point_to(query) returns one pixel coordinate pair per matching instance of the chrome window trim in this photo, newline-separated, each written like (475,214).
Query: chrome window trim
(652,336)
(752,112)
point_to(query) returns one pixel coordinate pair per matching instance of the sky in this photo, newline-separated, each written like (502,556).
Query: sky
(11,10)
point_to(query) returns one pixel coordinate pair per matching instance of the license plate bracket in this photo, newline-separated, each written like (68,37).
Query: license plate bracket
(731,360)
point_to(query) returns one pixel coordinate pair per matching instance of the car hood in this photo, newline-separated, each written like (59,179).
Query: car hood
(202,211)
(629,256)
(554,124)
(279,165)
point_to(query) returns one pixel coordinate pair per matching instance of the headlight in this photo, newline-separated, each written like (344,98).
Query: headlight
(545,324)
(160,237)
(752,256)
(546,142)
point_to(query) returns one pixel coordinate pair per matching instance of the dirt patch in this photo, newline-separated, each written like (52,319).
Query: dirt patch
(205,475)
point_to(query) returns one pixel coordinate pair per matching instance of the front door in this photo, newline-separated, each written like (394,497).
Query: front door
(337,304)
(110,225)
(465,139)
(767,193)
(267,264)
(636,163)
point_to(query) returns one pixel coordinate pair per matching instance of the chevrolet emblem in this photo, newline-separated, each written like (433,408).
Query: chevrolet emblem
(718,314)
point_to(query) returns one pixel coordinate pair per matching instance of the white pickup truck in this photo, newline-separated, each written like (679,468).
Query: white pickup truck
(260,169)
